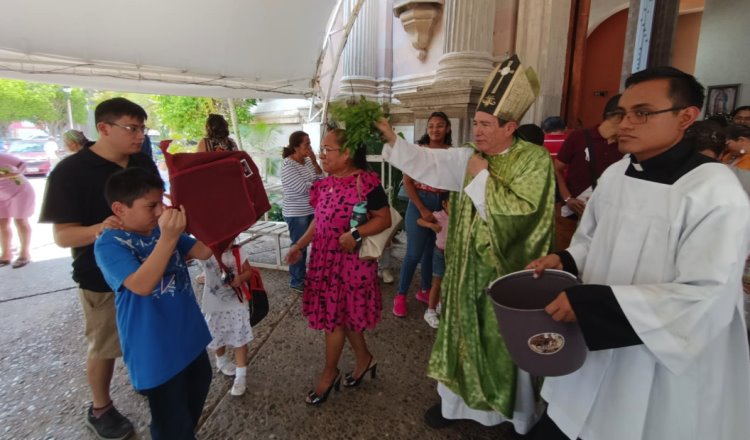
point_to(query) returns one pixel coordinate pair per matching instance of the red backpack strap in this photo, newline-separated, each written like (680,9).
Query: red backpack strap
(244,286)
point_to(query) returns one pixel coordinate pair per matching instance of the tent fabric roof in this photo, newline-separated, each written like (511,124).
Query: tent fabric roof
(218,48)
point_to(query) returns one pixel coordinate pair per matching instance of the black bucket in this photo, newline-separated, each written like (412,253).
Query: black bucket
(536,342)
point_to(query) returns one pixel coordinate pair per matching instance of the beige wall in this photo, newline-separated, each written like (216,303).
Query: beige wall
(686,41)
(723,46)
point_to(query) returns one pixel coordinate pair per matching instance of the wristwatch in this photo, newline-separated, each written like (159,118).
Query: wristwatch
(355,235)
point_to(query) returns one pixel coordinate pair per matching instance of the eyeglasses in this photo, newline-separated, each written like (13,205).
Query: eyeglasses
(741,119)
(639,116)
(327,150)
(130,128)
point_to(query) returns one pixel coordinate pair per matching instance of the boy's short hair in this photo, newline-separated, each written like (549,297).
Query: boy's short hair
(130,184)
(611,106)
(444,196)
(115,108)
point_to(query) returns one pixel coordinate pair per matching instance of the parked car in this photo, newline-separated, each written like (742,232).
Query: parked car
(38,159)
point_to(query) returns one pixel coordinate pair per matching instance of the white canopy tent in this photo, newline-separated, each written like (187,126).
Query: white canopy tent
(217,48)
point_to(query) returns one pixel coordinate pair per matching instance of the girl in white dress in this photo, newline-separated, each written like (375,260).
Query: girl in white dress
(228,317)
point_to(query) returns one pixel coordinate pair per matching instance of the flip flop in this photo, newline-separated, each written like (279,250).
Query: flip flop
(20,262)
(4,263)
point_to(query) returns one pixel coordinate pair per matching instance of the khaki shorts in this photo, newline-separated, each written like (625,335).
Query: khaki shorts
(101,324)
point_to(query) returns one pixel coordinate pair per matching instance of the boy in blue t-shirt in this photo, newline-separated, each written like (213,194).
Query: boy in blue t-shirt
(162,331)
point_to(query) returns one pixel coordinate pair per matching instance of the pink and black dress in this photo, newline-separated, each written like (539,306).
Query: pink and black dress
(340,289)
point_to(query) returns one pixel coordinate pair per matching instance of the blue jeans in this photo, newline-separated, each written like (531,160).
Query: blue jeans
(420,243)
(297,228)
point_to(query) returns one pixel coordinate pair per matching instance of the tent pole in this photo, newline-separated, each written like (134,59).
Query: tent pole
(235,125)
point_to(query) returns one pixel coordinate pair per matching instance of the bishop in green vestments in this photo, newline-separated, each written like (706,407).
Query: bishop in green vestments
(501,215)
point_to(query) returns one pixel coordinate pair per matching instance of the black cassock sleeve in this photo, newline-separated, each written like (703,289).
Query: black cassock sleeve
(602,321)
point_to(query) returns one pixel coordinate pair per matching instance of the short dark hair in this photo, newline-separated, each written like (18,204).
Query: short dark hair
(736,131)
(739,109)
(553,123)
(115,108)
(611,106)
(531,133)
(128,185)
(684,89)
(444,196)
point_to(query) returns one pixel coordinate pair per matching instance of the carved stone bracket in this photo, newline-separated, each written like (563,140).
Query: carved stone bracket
(418,18)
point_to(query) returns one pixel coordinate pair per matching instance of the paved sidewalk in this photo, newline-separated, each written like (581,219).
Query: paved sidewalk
(44,394)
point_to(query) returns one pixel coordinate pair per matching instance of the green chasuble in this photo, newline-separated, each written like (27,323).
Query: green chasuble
(469,356)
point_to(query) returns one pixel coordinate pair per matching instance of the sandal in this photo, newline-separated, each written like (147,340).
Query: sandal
(20,262)
(4,263)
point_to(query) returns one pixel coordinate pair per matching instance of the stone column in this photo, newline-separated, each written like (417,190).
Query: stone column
(360,57)
(467,43)
(466,62)
(541,43)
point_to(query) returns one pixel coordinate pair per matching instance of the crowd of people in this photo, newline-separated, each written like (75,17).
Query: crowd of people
(647,208)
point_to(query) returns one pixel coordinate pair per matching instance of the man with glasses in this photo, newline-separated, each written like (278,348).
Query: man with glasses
(660,250)
(74,202)
(584,156)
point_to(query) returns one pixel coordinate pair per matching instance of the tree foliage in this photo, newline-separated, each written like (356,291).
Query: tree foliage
(43,104)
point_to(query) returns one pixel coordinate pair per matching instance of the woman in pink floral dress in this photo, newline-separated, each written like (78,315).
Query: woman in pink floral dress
(342,294)
(17,203)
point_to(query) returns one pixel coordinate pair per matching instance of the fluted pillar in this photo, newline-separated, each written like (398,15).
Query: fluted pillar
(467,43)
(360,57)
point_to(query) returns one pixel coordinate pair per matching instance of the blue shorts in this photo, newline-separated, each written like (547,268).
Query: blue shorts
(438,263)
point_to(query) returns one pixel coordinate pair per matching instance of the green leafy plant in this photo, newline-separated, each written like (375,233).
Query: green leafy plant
(358,118)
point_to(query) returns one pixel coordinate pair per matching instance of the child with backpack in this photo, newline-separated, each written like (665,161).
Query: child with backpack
(227,314)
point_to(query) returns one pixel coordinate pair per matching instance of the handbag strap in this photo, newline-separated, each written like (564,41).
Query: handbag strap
(243,287)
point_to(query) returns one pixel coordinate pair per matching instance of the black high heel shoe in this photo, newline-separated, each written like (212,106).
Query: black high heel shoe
(351,382)
(314,399)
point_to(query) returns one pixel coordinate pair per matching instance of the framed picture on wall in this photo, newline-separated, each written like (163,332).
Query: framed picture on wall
(721,99)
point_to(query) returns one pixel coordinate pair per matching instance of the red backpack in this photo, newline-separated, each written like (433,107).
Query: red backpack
(222,193)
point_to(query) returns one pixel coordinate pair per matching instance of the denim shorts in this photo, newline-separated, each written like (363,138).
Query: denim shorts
(438,263)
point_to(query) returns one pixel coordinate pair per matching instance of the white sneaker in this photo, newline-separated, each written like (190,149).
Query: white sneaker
(439,308)
(387,276)
(431,317)
(239,386)
(226,366)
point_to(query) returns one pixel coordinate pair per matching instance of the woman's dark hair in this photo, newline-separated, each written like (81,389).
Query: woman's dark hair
(736,131)
(217,127)
(739,109)
(448,140)
(552,124)
(706,135)
(359,159)
(684,89)
(295,140)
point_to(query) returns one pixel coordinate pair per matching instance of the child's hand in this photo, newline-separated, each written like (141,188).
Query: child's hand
(236,281)
(172,222)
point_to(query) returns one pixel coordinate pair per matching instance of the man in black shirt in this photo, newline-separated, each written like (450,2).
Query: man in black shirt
(74,202)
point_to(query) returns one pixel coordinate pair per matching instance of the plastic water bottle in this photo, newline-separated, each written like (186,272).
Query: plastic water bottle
(359,215)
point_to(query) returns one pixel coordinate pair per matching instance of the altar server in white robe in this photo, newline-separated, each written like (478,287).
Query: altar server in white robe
(660,249)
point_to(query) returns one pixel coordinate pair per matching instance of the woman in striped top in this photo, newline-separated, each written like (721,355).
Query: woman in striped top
(298,173)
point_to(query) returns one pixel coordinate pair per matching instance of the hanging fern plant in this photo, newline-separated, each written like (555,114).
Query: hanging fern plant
(358,118)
